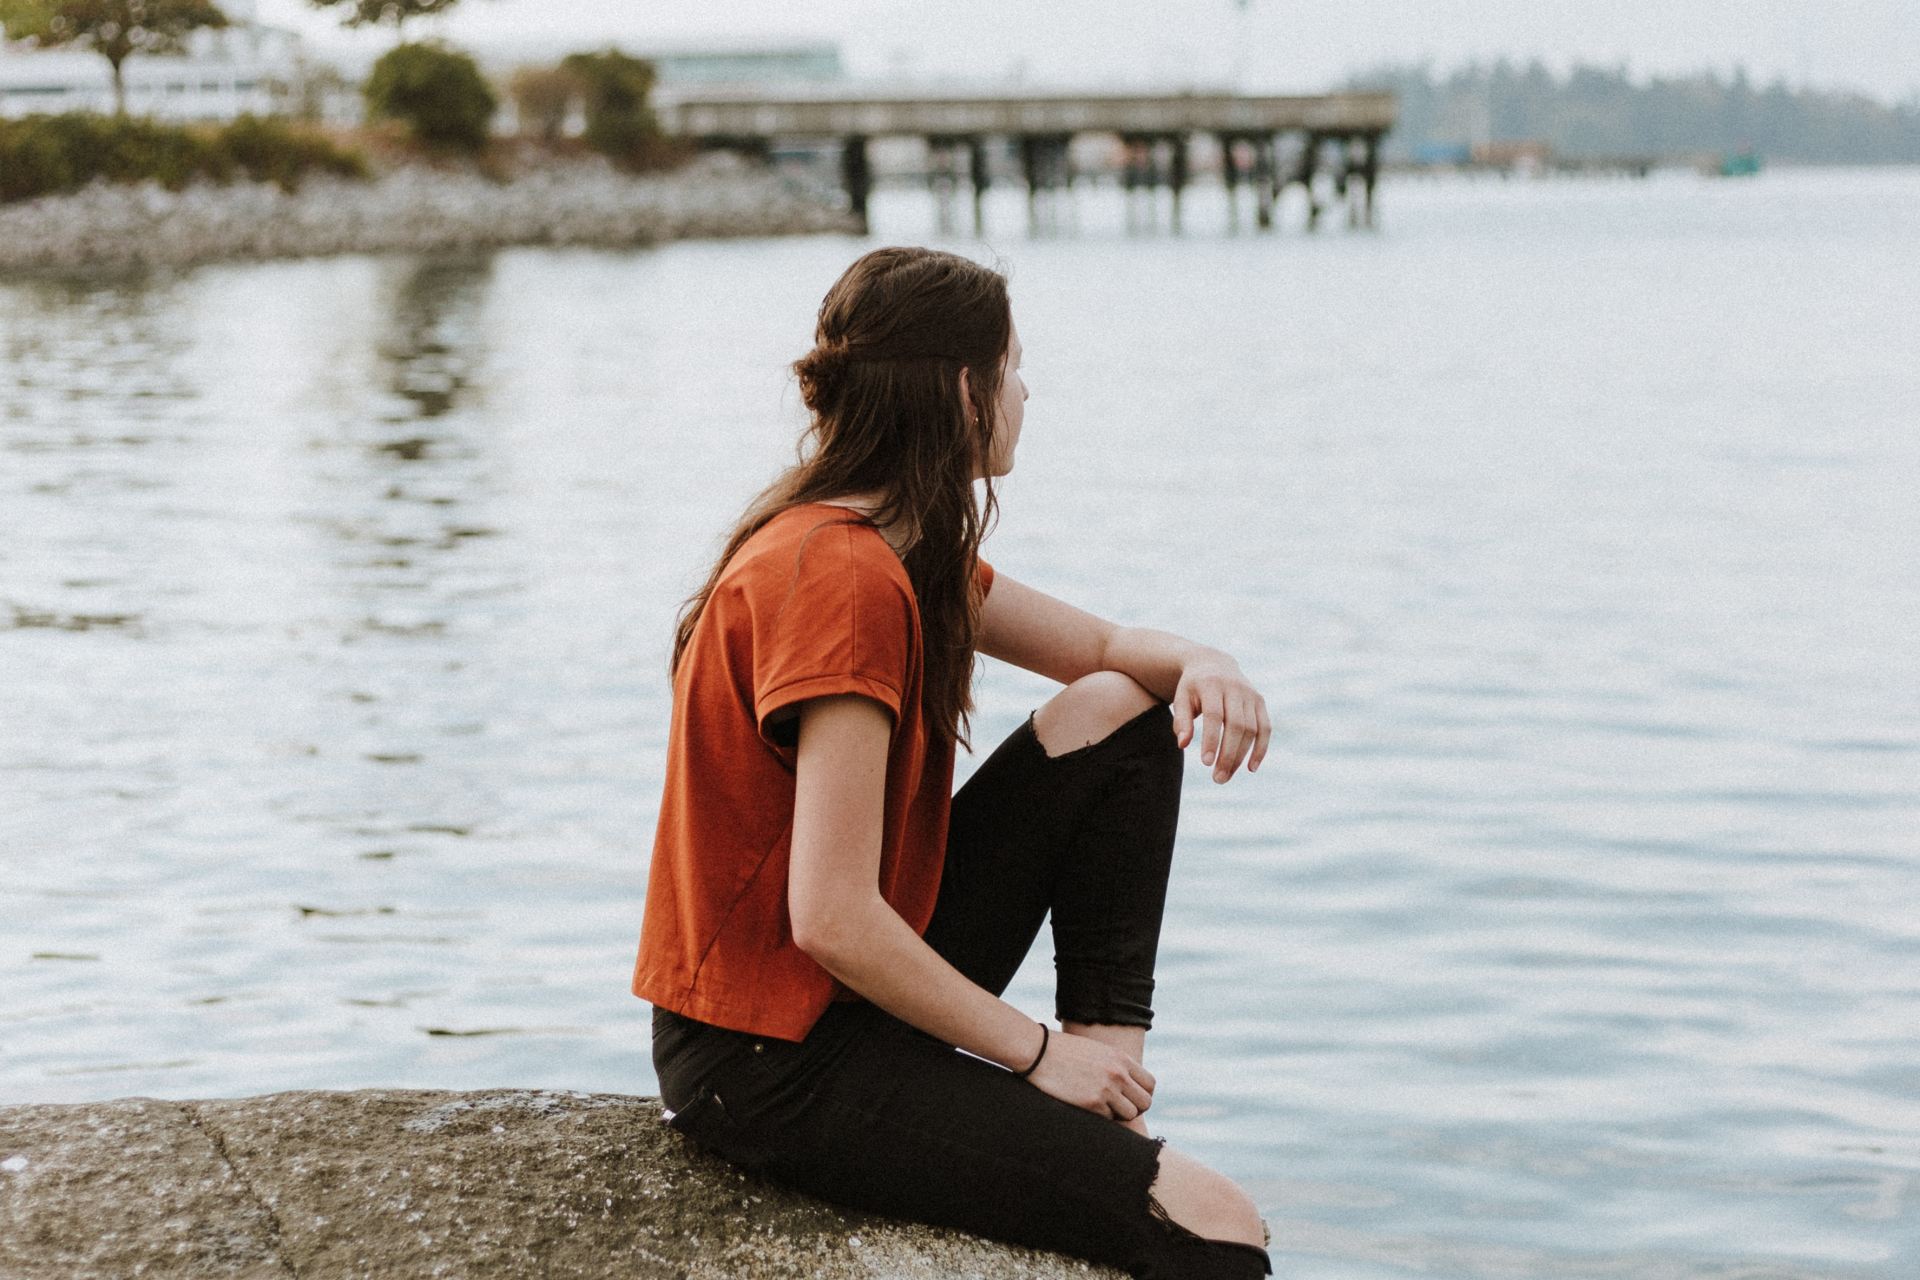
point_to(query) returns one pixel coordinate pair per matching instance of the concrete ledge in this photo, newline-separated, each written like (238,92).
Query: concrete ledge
(401,1183)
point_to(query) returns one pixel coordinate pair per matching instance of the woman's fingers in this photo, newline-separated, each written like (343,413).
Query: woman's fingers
(1264,733)
(1243,731)
(1236,728)
(1134,1090)
(1182,713)
(1235,734)
(1095,1076)
(1213,707)
(1239,735)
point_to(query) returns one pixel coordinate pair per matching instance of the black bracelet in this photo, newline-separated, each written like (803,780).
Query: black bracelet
(1045,1035)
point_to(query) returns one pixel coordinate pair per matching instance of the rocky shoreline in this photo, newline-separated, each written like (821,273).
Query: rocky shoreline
(503,1183)
(417,208)
(400,1185)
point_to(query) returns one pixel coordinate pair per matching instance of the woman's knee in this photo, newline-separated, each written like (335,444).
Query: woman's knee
(1209,1204)
(1089,709)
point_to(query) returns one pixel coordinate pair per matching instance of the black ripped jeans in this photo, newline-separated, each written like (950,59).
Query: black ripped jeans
(871,1112)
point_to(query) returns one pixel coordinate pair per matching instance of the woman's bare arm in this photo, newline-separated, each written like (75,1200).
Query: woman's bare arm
(840,919)
(1033,630)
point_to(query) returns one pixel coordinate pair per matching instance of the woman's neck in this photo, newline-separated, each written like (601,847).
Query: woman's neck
(866,504)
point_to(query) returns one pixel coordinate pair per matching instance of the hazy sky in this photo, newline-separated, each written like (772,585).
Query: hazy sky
(1289,44)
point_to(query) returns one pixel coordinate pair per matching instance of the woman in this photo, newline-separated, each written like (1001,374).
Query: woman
(826,926)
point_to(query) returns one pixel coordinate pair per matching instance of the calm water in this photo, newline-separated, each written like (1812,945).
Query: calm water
(1572,929)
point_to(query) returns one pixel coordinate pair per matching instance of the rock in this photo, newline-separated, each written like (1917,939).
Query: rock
(411,208)
(398,1184)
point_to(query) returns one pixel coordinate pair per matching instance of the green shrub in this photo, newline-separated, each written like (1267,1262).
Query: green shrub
(170,155)
(273,151)
(33,161)
(615,88)
(438,92)
(45,155)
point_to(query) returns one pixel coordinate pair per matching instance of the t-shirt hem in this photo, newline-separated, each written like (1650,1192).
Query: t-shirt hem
(822,686)
(790,1024)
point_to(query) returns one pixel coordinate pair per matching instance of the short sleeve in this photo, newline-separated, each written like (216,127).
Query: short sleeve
(832,619)
(984,572)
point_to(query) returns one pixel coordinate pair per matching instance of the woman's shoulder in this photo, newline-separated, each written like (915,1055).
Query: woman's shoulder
(817,545)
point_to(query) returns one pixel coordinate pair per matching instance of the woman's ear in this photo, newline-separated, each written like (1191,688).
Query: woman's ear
(966,398)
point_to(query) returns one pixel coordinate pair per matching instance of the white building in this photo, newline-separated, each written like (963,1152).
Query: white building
(226,72)
(712,66)
(250,67)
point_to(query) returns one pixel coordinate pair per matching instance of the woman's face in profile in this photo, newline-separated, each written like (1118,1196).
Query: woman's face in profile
(1010,409)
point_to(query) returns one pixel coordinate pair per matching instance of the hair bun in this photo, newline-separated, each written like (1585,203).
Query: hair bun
(820,372)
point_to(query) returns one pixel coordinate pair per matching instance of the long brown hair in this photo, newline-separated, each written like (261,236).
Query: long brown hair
(883,385)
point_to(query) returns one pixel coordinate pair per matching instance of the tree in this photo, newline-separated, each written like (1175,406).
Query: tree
(439,92)
(544,96)
(115,29)
(1605,111)
(390,13)
(615,86)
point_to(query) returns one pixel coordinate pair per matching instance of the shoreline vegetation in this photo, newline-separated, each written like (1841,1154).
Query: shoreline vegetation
(1604,111)
(426,173)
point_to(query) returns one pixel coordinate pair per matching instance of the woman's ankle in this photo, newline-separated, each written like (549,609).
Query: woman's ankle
(1131,1041)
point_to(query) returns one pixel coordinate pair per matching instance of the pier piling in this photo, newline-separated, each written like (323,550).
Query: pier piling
(1177,173)
(981,178)
(1266,182)
(1155,132)
(1230,177)
(1369,177)
(857,174)
(943,177)
(1307,170)
(1046,165)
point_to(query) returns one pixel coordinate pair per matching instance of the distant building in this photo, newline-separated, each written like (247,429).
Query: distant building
(250,67)
(1452,154)
(1525,155)
(245,67)
(759,67)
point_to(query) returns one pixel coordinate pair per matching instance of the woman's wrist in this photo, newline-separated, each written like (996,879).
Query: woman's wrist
(1046,1038)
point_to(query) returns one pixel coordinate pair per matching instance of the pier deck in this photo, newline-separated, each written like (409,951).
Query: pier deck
(1268,142)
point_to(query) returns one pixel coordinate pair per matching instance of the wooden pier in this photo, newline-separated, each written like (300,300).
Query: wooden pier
(1329,145)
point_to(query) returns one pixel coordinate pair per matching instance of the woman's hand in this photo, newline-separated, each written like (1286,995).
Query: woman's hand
(1212,685)
(1093,1076)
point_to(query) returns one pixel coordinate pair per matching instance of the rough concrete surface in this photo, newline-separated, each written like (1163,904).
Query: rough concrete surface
(398,1183)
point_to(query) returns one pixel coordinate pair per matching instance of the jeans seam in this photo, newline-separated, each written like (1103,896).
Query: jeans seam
(1126,773)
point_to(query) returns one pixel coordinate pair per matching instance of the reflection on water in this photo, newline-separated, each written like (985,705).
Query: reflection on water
(1569,931)
(432,347)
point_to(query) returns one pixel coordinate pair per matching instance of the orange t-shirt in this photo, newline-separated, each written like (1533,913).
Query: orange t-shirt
(812,604)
